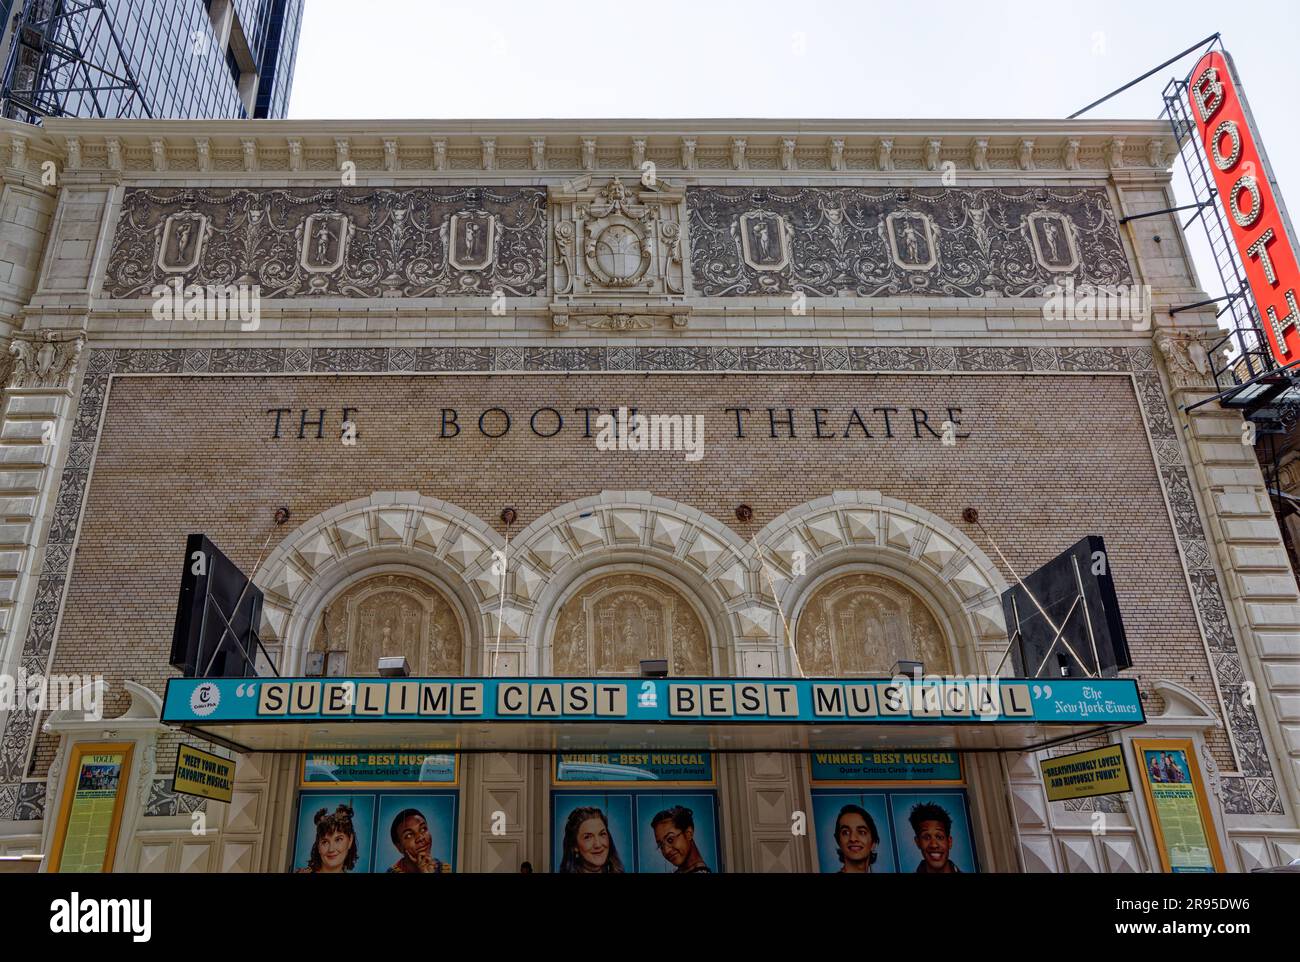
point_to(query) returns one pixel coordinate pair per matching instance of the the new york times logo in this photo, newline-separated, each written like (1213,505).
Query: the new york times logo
(77,916)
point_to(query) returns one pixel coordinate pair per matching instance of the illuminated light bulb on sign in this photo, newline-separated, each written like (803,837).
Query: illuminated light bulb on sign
(1255,215)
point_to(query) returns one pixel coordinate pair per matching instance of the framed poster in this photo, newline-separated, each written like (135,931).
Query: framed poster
(657,831)
(90,814)
(1180,813)
(875,830)
(407,832)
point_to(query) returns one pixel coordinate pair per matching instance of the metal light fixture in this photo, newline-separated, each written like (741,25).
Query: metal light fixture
(654,668)
(909,669)
(394,667)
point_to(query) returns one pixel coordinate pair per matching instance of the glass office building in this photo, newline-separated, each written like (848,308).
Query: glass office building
(150,58)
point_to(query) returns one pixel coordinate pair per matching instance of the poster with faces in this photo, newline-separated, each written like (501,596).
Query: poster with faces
(411,832)
(657,832)
(869,830)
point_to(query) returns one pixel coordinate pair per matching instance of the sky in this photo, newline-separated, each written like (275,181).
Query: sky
(787,59)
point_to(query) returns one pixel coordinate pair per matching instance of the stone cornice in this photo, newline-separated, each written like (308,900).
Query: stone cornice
(222,149)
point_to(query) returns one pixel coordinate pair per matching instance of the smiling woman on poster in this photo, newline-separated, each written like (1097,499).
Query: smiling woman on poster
(335,848)
(588,845)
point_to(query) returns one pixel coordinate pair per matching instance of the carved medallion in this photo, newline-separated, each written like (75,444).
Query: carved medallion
(615,622)
(181,243)
(765,240)
(618,237)
(1053,237)
(472,244)
(324,239)
(864,624)
(911,240)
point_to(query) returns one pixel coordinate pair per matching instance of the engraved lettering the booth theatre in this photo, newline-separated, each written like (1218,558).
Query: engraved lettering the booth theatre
(758,420)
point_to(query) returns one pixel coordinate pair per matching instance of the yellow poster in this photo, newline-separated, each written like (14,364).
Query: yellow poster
(1083,774)
(91,810)
(204,774)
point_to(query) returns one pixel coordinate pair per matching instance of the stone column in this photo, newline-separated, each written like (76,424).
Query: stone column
(33,433)
(1255,646)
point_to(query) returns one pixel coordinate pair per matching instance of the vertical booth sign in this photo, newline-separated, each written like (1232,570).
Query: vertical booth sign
(1256,215)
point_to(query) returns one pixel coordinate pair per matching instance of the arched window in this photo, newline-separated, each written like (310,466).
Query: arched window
(614,622)
(864,624)
(388,615)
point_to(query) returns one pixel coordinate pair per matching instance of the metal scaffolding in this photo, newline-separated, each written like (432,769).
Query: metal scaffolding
(58,53)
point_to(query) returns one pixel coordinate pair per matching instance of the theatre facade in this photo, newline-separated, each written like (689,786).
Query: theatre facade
(783,405)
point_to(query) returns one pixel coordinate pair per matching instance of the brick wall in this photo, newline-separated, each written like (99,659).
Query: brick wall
(1050,459)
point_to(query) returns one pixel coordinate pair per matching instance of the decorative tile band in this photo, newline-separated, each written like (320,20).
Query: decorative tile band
(339,242)
(901,241)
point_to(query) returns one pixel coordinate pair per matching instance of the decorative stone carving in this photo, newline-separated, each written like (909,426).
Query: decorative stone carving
(617,241)
(932,148)
(295,153)
(885,154)
(472,244)
(489,148)
(616,621)
(203,154)
(979,154)
(148,767)
(836,158)
(688,153)
(391,162)
(341,150)
(113,146)
(625,322)
(787,154)
(390,615)
(588,153)
(394,242)
(911,240)
(863,624)
(1115,153)
(1156,154)
(323,242)
(180,241)
(1025,155)
(158,148)
(980,242)
(538,147)
(74,151)
(1053,240)
(638,152)
(18,151)
(765,240)
(1071,158)
(1186,359)
(249,145)
(439,153)
(44,360)
(738,145)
